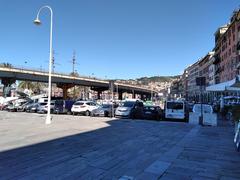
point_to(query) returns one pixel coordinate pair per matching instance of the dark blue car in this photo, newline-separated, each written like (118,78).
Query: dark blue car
(63,106)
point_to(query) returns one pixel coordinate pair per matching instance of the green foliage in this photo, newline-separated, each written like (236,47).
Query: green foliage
(6,65)
(74,74)
(147,80)
(34,86)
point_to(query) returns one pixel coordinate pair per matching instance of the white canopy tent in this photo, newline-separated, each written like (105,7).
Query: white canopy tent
(232,85)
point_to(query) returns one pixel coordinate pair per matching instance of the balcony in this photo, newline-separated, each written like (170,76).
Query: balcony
(217,60)
(218,70)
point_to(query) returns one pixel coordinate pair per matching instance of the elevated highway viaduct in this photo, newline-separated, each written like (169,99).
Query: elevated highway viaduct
(64,81)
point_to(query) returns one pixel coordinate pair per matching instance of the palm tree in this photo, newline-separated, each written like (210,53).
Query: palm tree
(26,85)
(36,87)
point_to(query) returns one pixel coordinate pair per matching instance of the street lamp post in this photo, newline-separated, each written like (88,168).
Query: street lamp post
(38,22)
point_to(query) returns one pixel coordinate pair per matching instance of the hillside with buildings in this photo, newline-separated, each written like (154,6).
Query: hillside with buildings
(164,85)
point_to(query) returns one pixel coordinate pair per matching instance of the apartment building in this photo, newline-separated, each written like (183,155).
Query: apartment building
(193,73)
(228,53)
(211,70)
(204,64)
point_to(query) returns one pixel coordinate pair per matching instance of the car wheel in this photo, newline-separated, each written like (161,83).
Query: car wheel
(87,113)
(106,114)
(69,113)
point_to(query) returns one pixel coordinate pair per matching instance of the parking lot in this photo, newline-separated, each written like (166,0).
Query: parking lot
(81,147)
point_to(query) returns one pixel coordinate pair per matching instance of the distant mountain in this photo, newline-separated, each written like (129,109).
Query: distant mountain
(147,80)
(153,79)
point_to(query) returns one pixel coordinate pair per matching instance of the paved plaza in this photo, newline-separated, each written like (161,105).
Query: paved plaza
(79,147)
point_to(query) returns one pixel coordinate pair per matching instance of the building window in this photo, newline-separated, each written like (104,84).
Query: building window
(233,28)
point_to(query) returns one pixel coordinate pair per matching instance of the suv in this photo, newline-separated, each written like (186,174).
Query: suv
(43,107)
(130,109)
(106,110)
(83,107)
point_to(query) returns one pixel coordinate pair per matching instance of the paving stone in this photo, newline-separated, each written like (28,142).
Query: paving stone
(146,175)
(158,167)
(172,176)
(126,178)
(78,147)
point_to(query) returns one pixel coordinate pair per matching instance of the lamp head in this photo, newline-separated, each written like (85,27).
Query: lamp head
(37,21)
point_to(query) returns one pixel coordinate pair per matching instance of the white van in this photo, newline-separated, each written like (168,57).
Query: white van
(175,110)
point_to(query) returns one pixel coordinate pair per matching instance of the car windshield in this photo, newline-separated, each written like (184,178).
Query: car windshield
(106,105)
(43,104)
(59,103)
(149,108)
(78,103)
(127,104)
(206,108)
(174,105)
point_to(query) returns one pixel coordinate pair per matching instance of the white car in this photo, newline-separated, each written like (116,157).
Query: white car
(83,107)
(209,117)
(205,107)
(175,110)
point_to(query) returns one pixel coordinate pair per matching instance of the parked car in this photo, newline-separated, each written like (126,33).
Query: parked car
(175,110)
(105,110)
(11,107)
(208,118)
(22,108)
(63,106)
(32,107)
(83,107)
(205,107)
(43,107)
(15,105)
(130,109)
(152,112)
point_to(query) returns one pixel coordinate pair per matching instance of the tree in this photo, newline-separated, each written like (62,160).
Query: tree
(26,85)
(8,65)
(74,74)
(36,87)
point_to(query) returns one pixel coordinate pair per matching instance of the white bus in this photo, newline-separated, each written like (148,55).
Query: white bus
(175,110)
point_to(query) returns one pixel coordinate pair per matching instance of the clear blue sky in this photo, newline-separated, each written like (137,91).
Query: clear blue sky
(113,38)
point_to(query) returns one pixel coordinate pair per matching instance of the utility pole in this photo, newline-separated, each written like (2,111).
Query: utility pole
(73,62)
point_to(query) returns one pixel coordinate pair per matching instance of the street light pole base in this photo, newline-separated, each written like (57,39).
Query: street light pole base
(48,119)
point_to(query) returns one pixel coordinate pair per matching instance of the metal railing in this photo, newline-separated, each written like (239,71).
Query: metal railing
(42,70)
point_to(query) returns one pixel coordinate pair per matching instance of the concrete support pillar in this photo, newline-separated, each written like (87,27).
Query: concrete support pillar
(65,88)
(133,94)
(120,95)
(141,96)
(99,94)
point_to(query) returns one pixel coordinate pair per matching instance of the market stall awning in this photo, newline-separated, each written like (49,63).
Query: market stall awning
(232,85)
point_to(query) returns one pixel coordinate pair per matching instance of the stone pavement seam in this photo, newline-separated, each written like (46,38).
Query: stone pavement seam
(160,166)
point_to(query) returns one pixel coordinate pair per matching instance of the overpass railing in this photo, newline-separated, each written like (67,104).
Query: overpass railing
(42,70)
